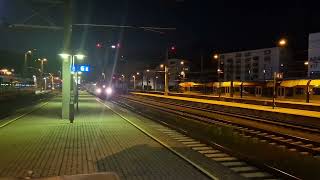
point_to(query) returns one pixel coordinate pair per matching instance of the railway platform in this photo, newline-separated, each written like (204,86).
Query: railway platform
(313,105)
(36,142)
(287,111)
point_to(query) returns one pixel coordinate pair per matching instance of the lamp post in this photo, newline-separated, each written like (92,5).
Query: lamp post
(155,83)
(216,57)
(41,69)
(147,78)
(52,85)
(78,74)
(45,83)
(24,71)
(134,82)
(274,89)
(306,64)
(282,43)
(25,63)
(142,88)
(69,61)
(166,82)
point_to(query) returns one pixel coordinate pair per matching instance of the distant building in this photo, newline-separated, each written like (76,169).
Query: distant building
(253,65)
(178,69)
(314,55)
(177,72)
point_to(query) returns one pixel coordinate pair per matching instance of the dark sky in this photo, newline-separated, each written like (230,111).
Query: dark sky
(207,26)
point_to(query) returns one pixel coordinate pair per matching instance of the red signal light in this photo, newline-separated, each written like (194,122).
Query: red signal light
(99,45)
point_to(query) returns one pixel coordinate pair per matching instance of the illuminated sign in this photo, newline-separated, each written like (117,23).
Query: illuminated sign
(84,68)
(80,68)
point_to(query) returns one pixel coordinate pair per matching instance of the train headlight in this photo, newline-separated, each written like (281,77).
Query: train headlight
(98,90)
(109,90)
(104,86)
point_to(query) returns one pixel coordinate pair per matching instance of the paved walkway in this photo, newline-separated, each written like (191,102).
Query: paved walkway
(299,112)
(97,141)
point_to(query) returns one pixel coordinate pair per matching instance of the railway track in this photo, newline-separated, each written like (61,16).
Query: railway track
(302,144)
(226,157)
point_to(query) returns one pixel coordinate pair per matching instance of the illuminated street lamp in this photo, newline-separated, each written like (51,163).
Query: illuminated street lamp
(182,62)
(215,56)
(52,83)
(45,83)
(183,74)
(147,78)
(134,82)
(166,83)
(219,71)
(29,52)
(282,42)
(80,56)
(41,68)
(41,62)
(66,87)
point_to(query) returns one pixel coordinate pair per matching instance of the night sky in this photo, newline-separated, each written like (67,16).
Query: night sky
(202,26)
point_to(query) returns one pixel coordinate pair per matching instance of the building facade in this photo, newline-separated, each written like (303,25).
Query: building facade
(253,65)
(177,69)
(314,55)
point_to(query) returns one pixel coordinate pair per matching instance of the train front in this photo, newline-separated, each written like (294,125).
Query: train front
(103,91)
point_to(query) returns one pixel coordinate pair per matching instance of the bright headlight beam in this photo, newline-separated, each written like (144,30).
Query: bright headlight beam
(109,90)
(98,90)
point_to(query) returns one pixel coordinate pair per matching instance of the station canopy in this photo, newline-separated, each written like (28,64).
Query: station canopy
(315,82)
(300,82)
(235,84)
(190,84)
(292,83)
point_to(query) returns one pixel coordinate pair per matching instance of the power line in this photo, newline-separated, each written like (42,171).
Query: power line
(34,26)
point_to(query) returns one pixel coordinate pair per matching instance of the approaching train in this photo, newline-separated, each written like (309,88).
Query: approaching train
(106,90)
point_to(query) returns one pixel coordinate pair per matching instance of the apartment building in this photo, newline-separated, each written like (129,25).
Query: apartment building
(253,65)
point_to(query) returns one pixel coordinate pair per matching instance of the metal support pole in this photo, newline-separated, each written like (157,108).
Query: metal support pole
(219,72)
(142,88)
(66,87)
(166,81)
(52,83)
(24,72)
(77,91)
(308,92)
(45,84)
(134,82)
(41,74)
(231,88)
(147,81)
(155,83)
(241,89)
(274,90)
(66,64)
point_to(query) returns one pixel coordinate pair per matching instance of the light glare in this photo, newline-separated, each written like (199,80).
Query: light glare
(64,55)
